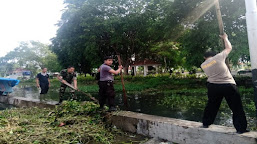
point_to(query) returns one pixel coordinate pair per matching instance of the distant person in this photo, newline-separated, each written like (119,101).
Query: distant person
(221,84)
(133,72)
(170,71)
(193,71)
(67,76)
(106,89)
(43,81)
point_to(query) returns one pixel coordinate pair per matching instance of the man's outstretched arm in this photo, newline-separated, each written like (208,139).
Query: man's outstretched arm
(117,71)
(228,46)
(37,82)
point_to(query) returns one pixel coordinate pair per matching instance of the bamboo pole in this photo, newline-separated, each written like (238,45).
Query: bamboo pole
(219,17)
(123,85)
(221,27)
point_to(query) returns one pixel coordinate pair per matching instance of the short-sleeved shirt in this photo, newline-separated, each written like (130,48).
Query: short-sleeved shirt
(43,78)
(105,74)
(69,77)
(217,71)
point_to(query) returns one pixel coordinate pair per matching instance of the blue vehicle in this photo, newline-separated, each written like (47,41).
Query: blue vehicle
(6,85)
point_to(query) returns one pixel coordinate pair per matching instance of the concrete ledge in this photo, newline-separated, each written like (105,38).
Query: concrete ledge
(179,131)
(24,102)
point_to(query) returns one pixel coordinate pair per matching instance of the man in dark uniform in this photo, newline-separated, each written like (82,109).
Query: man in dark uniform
(106,89)
(221,84)
(43,81)
(67,76)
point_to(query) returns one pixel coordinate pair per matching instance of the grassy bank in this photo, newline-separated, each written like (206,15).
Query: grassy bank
(139,83)
(149,83)
(82,123)
(161,83)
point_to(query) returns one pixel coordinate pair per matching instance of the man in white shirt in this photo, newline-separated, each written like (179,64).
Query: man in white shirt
(221,84)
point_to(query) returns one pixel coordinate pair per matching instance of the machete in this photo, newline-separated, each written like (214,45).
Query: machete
(71,86)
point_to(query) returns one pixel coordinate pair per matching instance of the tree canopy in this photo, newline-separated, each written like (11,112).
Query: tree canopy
(174,32)
(32,56)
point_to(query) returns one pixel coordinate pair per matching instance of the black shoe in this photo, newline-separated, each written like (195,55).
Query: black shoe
(241,132)
(204,126)
(59,103)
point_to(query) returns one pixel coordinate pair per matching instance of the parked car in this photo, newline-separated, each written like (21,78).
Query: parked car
(245,72)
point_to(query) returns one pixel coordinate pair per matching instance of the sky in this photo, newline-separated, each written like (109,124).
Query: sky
(25,20)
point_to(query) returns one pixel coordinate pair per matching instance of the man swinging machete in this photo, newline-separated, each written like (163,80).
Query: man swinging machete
(221,84)
(67,76)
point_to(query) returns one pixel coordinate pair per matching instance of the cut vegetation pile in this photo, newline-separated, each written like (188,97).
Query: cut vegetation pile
(72,122)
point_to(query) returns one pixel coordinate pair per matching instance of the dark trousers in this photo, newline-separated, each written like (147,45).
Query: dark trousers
(106,92)
(44,88)
(62,91)
(216,92)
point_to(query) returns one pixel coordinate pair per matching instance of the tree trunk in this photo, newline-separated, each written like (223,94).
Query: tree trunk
(165,64)
(125,70)
(126,66)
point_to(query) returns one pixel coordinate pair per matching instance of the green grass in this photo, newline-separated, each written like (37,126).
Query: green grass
(148,84)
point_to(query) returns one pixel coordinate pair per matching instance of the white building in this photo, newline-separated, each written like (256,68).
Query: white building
(19,74)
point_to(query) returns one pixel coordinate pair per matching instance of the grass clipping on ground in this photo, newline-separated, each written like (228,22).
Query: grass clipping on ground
(82,124)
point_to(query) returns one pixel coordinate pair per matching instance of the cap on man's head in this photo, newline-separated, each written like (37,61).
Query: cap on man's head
(108,57)
(209,54)
(70,67)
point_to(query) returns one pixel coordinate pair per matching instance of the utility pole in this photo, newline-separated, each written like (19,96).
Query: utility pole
(251,20)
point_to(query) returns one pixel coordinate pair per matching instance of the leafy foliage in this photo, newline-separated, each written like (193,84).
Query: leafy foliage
(90,29)
(30,55)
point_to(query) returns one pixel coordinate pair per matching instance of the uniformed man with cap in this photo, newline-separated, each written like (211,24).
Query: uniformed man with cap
(106,89)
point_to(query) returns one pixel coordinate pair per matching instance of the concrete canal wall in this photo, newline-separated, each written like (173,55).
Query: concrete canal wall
(25,102)
(179,131)
(174,130)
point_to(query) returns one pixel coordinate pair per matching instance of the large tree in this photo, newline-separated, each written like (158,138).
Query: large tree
(203,34)
(90,29)
(30,55)
(107,27)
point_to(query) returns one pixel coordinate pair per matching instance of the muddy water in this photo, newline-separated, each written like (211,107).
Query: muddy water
(30,91)
(5,106)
